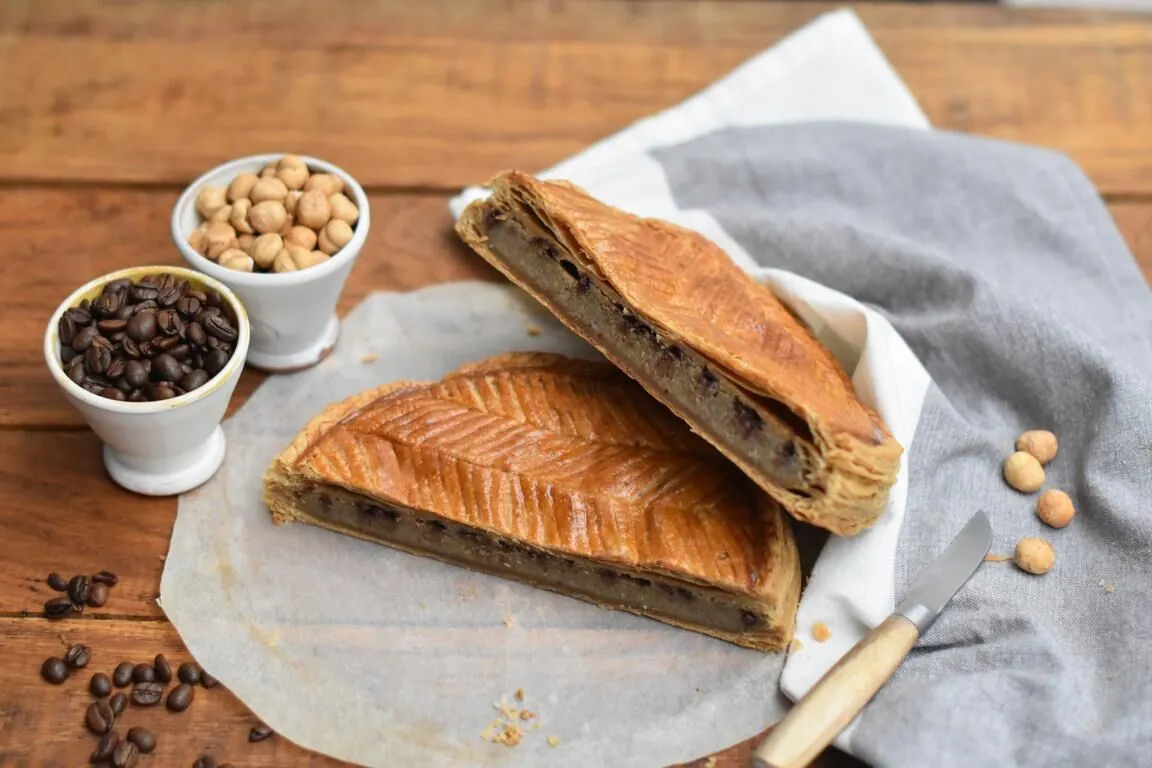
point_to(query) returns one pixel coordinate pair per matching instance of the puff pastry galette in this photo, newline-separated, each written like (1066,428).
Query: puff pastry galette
(558,472)
(669,308)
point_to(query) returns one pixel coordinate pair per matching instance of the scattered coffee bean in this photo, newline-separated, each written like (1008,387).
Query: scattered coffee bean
(78,589)
(54,670)
(99,717)
(56,582)
(143,673)
(142,738)
(122,676)
(180,698)
(100,685)
(163,669)
(259,733)
(98,595)
(206,761)
(58,607)
(207,680)
(221,328)
(78,656)
(106,577)
(189,672)
(126,755)
(215,361)
(118,702)
(166,368)
(147,694)
(104,750)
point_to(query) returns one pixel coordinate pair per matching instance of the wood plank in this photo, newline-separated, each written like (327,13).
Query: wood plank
(411,245)
(442,94)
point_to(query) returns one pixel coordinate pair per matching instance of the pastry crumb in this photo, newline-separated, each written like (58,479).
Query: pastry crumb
(369,357)
(997,558)
(710,763)
(820,632)
(553,741)
(795,645)
(467,593)
(519,694)
(1109,588)
(527,714)
(534,330)
(509,621)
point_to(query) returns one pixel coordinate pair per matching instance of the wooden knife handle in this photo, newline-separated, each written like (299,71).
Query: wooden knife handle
(838,696)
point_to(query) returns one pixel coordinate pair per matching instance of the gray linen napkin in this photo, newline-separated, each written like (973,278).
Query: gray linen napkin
(1003,271)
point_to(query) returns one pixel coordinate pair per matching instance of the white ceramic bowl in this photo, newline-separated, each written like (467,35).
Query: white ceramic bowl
(163,447)
(293,314)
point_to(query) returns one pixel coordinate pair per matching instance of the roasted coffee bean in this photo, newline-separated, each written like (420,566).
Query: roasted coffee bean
(180,698)
(115,368)
(56,582)
(206,761)
(104,750)
(221,328)
(78,589)
(160,392)
(207,680)
(214,299)
(118,702)
(75,371)
(189,672)
(142,738)
(111,326)
(147,694)
(98,358)
(166,368)
(137,396)
(83,338)
(181,352)
(79,316)
(135,374)
(259,733)
(120,286)
(207,312)
(142,292)
(107,305)
(78,656)
(163,669)
(54,670)
(143,673)
(188,306)
(125,312)
(106,577)
(58,607)
(196,378)
(215,361)
(66,328)
(100,685)
(98,595)
(130,348)
(169,296)
(142,326)
(145,306)
(112,393)
(99,717)
(126,755)
(67,355)
(194,333)
(122,675)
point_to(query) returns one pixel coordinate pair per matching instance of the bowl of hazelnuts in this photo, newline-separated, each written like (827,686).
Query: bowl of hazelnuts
(282,232)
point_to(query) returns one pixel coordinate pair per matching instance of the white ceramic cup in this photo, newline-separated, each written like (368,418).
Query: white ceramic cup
(293,314)
(163,447)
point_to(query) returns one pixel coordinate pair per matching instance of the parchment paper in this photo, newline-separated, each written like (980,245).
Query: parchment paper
(387,659)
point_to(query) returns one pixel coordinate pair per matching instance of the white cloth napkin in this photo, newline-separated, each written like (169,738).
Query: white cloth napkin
(829,70)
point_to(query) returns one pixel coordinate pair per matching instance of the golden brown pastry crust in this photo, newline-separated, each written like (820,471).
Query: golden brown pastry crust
(688,288)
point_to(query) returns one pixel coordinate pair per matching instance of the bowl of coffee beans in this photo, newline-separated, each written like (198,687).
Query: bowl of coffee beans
(283,232)
(150,357)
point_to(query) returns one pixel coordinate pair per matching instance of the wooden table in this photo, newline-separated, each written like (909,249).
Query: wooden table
(105,113)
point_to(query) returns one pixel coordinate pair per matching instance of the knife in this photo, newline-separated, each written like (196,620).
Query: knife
(852,682)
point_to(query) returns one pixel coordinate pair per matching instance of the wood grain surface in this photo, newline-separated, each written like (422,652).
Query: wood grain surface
(108,109)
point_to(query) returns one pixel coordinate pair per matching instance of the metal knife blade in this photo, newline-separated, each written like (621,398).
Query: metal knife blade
(942,579)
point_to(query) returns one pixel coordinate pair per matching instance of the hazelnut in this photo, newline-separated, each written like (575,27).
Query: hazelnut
(268,189)
(1040,443)
(1055,508)
(223,213)
(1023,472)
(313,209)
(301,236)
(291,161)
(268,216)
(210,199)
(293,176)
(1035,556)
(265,248)
(327,183)
(291,259)
(334,236)
(317,257)
(343,208)
(289,223)
(244,243)
(233,258)
(241,186)
(197,240)
(291,200)
(239,217)
(219,237)
(268,171)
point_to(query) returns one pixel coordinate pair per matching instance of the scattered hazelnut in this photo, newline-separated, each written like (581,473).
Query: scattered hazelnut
(1040,443)
(343,208)
(1055,508)
(1035,556)
(265,248)
(219,237)
(1023,472)
(290,201)
(327,183)
(293,176)
(268,216)
(234,258)
(223,213)
(268,189)
(239,217)
(198,238)
(244,243)
(209,199)
(313,209)
(302,236)
(241,186)
(334,236)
